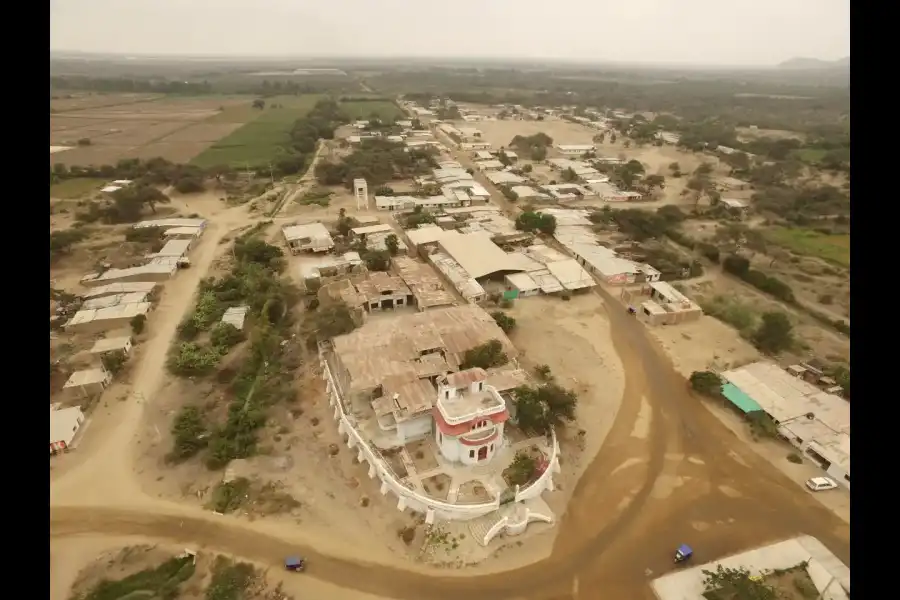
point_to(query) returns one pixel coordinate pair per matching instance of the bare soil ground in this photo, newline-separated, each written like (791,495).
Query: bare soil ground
(817,340)
(76,563)
(61,102)
(125,127)
(573,337)
(703,345)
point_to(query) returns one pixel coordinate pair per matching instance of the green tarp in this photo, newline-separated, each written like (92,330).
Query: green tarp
(740,399)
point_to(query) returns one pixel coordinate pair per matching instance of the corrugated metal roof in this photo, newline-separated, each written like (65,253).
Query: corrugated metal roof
(478,255)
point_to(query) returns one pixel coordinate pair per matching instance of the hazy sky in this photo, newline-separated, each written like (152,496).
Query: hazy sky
(727,32)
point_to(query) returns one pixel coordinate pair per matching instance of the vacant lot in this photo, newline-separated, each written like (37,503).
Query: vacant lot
(263,138)
(75,188)
(131,127)
(385,110)
(61,102)
(833,248)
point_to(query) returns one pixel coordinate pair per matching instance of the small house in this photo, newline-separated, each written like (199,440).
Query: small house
(89,382)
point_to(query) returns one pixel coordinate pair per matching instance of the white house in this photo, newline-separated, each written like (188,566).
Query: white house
(574,149)
(64,424)
(469,417)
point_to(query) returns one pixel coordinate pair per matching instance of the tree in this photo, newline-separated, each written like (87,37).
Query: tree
(654,181)
(392,244)
(259,104)
(137,324)
(225,335)
(568,175)
(531,221)
(706,382)
(377,260)
(538,153)
(737,584)
(486,356)
(774,334)
(736,265)
(521,471)
(540,409)
(333,320)
(505,322)
(527,168)
(189,434)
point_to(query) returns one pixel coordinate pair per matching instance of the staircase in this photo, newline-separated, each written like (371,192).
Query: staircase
(480,526)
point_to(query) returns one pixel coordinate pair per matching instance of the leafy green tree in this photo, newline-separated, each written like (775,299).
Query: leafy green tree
(706,382)
(505,322)
(189,434)
(774,334)
(392,244)
(486,356)
(540,409)
(225,335)
(736,584)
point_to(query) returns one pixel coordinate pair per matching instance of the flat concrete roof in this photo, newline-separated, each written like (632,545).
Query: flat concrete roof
(120,311)
(428,234)
(312,231)
(687,584)
(478,255)
(379,228)
(114,300)
(86,377)
(148,269)
(522,282)
(120,288)
(235,316)
(167,223)
(571,274)
(64,424)
(110,344)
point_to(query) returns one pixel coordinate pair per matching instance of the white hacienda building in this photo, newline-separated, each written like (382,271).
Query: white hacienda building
(469,417)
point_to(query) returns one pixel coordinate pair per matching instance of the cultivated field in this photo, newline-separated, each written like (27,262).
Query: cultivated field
(263,137)
(363,110)
(174,128)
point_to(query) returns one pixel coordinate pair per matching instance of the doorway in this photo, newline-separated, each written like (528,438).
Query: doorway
(482,453)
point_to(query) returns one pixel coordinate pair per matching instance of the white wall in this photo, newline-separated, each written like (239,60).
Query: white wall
(414,428)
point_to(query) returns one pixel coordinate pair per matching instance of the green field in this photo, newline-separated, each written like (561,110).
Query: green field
(262,139)
(833,248)
(810,155)
(74,188)
(385,110)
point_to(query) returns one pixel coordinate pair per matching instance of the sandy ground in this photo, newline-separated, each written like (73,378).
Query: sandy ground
(704,344)
(70,558)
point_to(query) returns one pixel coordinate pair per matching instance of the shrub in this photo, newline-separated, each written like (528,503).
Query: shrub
(795,458)
(137,324)
(189,360)
(113,361)
(505,322)
(706,382)
(225,335)
(709,251)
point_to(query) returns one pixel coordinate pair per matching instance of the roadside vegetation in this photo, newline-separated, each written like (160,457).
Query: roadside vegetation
(262,376)
(378,161)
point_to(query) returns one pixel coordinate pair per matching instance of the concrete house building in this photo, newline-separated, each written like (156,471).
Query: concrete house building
(312,237)
(574,149)
(89,382)
(469,417)
(64,424)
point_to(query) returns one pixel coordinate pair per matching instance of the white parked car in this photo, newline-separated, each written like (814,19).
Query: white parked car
(820,484)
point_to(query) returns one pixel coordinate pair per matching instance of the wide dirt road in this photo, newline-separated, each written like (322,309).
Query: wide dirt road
(668,473)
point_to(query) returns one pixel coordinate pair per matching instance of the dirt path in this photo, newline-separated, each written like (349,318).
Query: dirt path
(105,458)
(304,183)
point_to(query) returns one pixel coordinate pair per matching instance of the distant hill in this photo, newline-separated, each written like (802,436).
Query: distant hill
(808,64)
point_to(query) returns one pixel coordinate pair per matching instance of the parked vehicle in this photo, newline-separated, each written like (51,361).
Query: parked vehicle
(820,484)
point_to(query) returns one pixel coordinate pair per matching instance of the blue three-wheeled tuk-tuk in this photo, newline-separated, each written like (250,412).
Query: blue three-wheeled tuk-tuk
(294,563)
(683,553)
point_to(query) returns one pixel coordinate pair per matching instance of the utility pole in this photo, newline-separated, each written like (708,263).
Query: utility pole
(271,176)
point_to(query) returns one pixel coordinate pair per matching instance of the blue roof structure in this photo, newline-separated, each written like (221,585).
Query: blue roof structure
(740,399)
